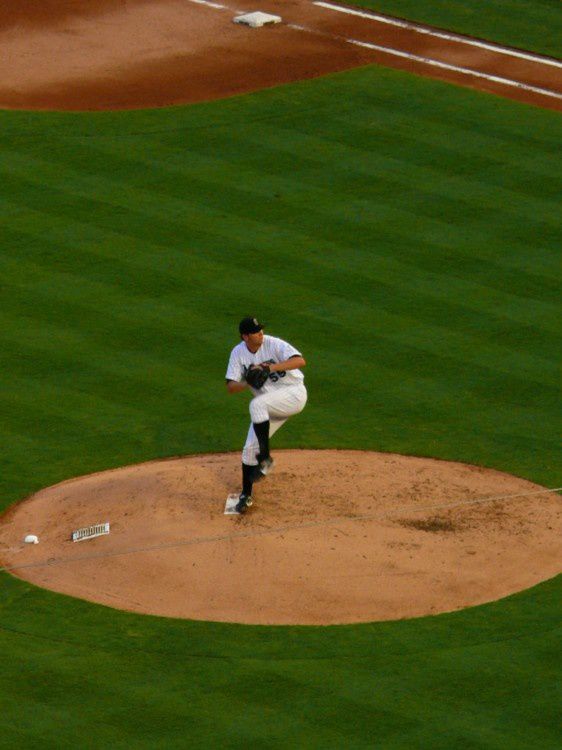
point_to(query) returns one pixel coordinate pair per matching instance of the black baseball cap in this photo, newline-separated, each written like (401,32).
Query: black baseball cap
(249,325)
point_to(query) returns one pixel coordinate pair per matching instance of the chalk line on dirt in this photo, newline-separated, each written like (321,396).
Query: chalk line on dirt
(432,62)
(448,36)
(282,529)
(459,69)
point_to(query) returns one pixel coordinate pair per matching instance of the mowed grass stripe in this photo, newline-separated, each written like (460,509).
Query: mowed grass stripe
(396,683)
(451,165)
(491,128)
(407,378)
(476,138)
(397,359)
(277,191)
(74,290)
(519,23)
(382,127)
(434,285)
(494,160)
(400,186)
(397,368)
(405,268)
(332,207)
(359,216)
(397,177)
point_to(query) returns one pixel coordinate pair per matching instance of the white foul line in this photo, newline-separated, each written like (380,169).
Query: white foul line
(458,69)
(442,34)
(434,63)
(419,58)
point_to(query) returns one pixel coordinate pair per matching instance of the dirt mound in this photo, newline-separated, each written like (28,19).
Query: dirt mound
(333,537)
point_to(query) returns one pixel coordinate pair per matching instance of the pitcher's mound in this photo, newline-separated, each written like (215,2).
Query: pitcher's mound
(333,537)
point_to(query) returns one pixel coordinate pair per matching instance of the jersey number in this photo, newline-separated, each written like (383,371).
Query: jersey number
(274,376)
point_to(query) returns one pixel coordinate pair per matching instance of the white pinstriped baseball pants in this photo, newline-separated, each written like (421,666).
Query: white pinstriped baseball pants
(276,406)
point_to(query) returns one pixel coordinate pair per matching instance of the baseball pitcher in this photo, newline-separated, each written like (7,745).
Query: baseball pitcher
(270,368)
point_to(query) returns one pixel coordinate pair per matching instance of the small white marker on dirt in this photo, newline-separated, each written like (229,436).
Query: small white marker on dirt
(218,6)
(257,20)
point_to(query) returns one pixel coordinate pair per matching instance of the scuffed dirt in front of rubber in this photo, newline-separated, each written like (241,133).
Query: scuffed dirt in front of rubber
(106,54)
(333,537)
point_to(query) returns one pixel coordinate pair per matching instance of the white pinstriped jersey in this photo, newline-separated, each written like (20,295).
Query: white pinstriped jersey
(271,350)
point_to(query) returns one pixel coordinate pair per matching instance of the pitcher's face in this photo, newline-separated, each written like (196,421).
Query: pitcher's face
(253,340)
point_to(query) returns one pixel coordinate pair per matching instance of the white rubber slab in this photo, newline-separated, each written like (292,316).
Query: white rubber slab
(90,532)
(230,505)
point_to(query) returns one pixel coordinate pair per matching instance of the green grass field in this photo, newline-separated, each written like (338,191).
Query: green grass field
(529,24)
(401,225)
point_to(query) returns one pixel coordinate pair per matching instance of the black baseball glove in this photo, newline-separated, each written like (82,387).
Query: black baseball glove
(256,375)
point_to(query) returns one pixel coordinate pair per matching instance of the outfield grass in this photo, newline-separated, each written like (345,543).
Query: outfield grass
(529,24)
(401,225)
(81,675)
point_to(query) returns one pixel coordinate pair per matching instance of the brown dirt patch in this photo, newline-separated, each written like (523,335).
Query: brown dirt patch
(333,537)
(117,54)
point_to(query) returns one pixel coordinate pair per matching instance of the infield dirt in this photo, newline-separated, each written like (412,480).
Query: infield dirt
(111,54)
(333,537)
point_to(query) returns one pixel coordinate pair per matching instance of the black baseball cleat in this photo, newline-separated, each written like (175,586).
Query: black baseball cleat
(244,502)
(264,467)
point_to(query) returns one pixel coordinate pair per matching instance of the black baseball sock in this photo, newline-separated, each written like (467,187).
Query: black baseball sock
(262,433)
(246,479)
